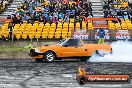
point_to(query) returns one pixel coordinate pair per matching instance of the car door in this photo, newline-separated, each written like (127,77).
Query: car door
(72,49)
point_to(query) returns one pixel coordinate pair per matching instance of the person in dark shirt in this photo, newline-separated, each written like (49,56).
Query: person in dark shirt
(14,19)
(19,19)
(105,13)
(10,27)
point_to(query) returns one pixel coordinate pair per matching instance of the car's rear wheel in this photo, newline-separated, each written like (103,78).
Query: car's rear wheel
(84,59)
(49,56)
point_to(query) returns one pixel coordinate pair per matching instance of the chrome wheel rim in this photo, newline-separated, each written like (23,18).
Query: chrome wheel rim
(50,57)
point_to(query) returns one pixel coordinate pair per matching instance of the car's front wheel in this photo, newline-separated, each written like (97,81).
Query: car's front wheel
(49,56)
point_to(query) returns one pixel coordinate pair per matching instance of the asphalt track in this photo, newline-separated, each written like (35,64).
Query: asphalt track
(26,73)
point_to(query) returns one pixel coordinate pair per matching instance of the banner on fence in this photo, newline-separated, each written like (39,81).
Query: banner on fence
(123,34)
(81,34)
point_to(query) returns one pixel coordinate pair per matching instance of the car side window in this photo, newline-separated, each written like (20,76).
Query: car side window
(79,43)
(72,42)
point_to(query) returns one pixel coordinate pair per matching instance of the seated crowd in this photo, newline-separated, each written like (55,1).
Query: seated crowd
(51,11)
(3,4)
(122,9)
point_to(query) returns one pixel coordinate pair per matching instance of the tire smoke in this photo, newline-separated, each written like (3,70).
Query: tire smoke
(122,52)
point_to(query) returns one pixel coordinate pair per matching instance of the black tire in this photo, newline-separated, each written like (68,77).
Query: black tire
(49,56)
(39,60)
(84,59)
(81,80)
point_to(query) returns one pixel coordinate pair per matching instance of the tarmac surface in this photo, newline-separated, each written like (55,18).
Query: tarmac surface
(26,73)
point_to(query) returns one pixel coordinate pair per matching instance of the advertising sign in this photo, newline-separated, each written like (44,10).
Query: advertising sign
(123,34)
(81,34)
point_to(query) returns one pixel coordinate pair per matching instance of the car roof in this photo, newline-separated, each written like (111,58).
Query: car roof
(72,38)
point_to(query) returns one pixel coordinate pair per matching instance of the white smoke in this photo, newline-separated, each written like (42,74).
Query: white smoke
(122,52)
(130,0)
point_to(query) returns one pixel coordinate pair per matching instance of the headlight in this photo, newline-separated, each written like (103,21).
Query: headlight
(37,50)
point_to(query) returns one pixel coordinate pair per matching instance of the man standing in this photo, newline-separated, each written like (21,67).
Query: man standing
(101,34)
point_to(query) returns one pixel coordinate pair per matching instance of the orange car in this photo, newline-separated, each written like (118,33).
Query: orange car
(67,48)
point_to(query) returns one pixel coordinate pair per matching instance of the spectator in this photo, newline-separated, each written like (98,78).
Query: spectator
(101,34)
(10,27)
(105,13)
(41,19)
(66,19)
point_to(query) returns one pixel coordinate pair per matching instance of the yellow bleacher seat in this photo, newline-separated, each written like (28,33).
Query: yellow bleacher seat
(4,28)
(18,35)
(118,26)
(69,34)
(31,34)
(37,35)
(47,24)
(65,30)
(16,27)
(29,24)
(24,24)
(130,27)
(33,29)
(58,30)
(90,26)
(6,24)
(123,24)
(22,27)
(124,27)
(59,24)
(115,6)
(111,27)
(51,34)
(52,27)
(57,34)
(46,27)
(24,35)
(5,34)
(77,25)
(39,29)
(35,24)
(84,25)
(119,6)
(41,24)
(64,35)
(0,34)
(59,27)
(53,24)
(65,25)
(17,24)
(26,29)
(71,26)
(71,20)
(44,34)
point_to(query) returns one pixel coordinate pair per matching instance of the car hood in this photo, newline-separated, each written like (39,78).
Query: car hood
(46,48)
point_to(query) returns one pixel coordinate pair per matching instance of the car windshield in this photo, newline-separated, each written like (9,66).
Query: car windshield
(62,42)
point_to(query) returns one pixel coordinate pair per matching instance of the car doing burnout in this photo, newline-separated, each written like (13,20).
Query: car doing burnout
(67,48)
